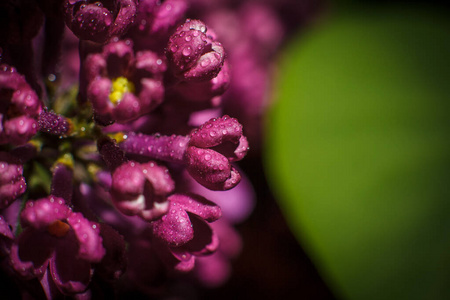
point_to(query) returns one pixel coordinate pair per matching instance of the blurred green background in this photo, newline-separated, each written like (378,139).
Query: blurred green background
(358,148)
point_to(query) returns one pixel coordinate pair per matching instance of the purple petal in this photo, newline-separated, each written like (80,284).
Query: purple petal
(185,261)
(236,204)
(5,230)
(213,270)
(198,205)
(175,227)
(20,130)
(98,93)
(43,212)
(70,273)
(205,241)
(216,132)
(88,236)
(114,262)
(211,169)
(30,253)
(127,109)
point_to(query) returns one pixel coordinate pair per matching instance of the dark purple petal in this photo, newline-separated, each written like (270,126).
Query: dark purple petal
(43,212)
(204,91)
(205,241)
(6,237)
(88,235)
(5,230)
(12,183)
(31,251)
(151,94)
(114,263)
(20,21)
(119,58)
(70,273)
(62,185)
(111,154)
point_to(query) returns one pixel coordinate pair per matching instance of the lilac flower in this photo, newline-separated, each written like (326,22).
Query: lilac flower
(211,148)
(142,189)
(124,86)
(193,54)
(101,20)
(185,230)
(207,152)
(19,107)
(57,238)
(12,182)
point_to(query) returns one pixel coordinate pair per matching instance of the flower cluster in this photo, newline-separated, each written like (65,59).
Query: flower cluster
(117,128)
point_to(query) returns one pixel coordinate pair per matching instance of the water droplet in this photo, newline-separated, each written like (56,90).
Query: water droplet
(187,51)
(204,63)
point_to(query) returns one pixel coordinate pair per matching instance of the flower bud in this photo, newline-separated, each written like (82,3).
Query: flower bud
(194,55)
(99,21)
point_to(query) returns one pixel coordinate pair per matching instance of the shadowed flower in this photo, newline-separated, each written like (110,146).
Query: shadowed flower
(157,19)
(12,182)
(19,107)
(56,237)
(99,20)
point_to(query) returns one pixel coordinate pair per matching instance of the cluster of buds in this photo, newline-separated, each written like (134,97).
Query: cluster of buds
(115,138)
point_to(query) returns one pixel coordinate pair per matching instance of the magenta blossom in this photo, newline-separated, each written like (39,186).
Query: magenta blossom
(122,85)
(142,189)
(207,152)
(19,107)
(100,20)
(185,230)
(57,238)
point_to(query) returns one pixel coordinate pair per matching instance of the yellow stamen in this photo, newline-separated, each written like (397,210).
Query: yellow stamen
(120,86)
(66,159)
(58,228)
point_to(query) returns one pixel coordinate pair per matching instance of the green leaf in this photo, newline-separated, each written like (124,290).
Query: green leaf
(358,151)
